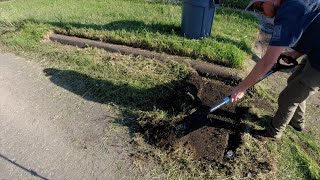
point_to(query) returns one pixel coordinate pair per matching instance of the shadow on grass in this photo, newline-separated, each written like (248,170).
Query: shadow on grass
(229,120)
(140,26)
(171,97)
(161,32)
(180,46)
(127,25)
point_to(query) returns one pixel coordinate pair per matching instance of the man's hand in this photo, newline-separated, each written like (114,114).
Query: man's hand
(293,54)
(259,70)
(237,93)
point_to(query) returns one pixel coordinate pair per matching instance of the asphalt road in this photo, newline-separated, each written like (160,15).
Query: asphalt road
(47,132)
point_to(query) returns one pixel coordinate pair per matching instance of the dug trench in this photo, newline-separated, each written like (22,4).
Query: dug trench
(210,137)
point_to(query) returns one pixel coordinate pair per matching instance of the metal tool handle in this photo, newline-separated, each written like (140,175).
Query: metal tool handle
(227,99)
(278,66)
(222,102)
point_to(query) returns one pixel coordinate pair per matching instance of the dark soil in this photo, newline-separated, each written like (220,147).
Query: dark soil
(207,136)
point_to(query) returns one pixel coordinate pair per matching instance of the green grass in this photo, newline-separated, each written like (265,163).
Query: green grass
(140,24)
(241,4)
(297,156)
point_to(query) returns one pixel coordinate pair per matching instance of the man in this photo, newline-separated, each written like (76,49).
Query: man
(296,25)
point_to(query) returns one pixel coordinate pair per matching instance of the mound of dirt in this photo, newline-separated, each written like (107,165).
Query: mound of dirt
(206,136)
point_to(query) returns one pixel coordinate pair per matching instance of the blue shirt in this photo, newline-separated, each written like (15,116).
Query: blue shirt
(309,43)
(296,19)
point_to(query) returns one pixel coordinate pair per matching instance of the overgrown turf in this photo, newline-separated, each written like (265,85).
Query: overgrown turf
(298,156)
(142,24)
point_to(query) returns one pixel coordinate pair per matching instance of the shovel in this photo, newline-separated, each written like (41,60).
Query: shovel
(278,66)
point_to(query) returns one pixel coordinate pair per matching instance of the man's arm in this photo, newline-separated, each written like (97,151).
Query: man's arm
(259,70)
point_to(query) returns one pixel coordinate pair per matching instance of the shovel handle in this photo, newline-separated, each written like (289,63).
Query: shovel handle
(278,66)
(218,105)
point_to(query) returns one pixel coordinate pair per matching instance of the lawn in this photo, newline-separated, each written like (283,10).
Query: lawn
(138,23)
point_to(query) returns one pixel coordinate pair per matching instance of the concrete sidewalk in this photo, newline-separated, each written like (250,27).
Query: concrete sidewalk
(47,132)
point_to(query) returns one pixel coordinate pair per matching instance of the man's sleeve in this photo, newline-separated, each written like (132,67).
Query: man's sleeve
(287,27)
(301,46)
(310,38)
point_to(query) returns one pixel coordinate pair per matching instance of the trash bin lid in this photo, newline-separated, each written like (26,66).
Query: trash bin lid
(202,3)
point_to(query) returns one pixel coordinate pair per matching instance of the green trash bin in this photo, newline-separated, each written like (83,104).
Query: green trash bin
(197,18)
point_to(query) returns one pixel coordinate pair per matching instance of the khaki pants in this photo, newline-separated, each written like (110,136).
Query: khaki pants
(303,83)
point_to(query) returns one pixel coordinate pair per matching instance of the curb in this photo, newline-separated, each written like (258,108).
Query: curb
(203,68)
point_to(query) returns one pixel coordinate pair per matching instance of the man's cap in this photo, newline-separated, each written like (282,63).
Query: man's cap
(250,5)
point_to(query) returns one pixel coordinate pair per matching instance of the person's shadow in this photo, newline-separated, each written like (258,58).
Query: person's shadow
(173,98)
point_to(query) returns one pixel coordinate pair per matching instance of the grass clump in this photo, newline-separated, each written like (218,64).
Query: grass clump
(297,156)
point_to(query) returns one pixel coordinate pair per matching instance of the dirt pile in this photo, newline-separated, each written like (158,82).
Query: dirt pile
(210,137)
